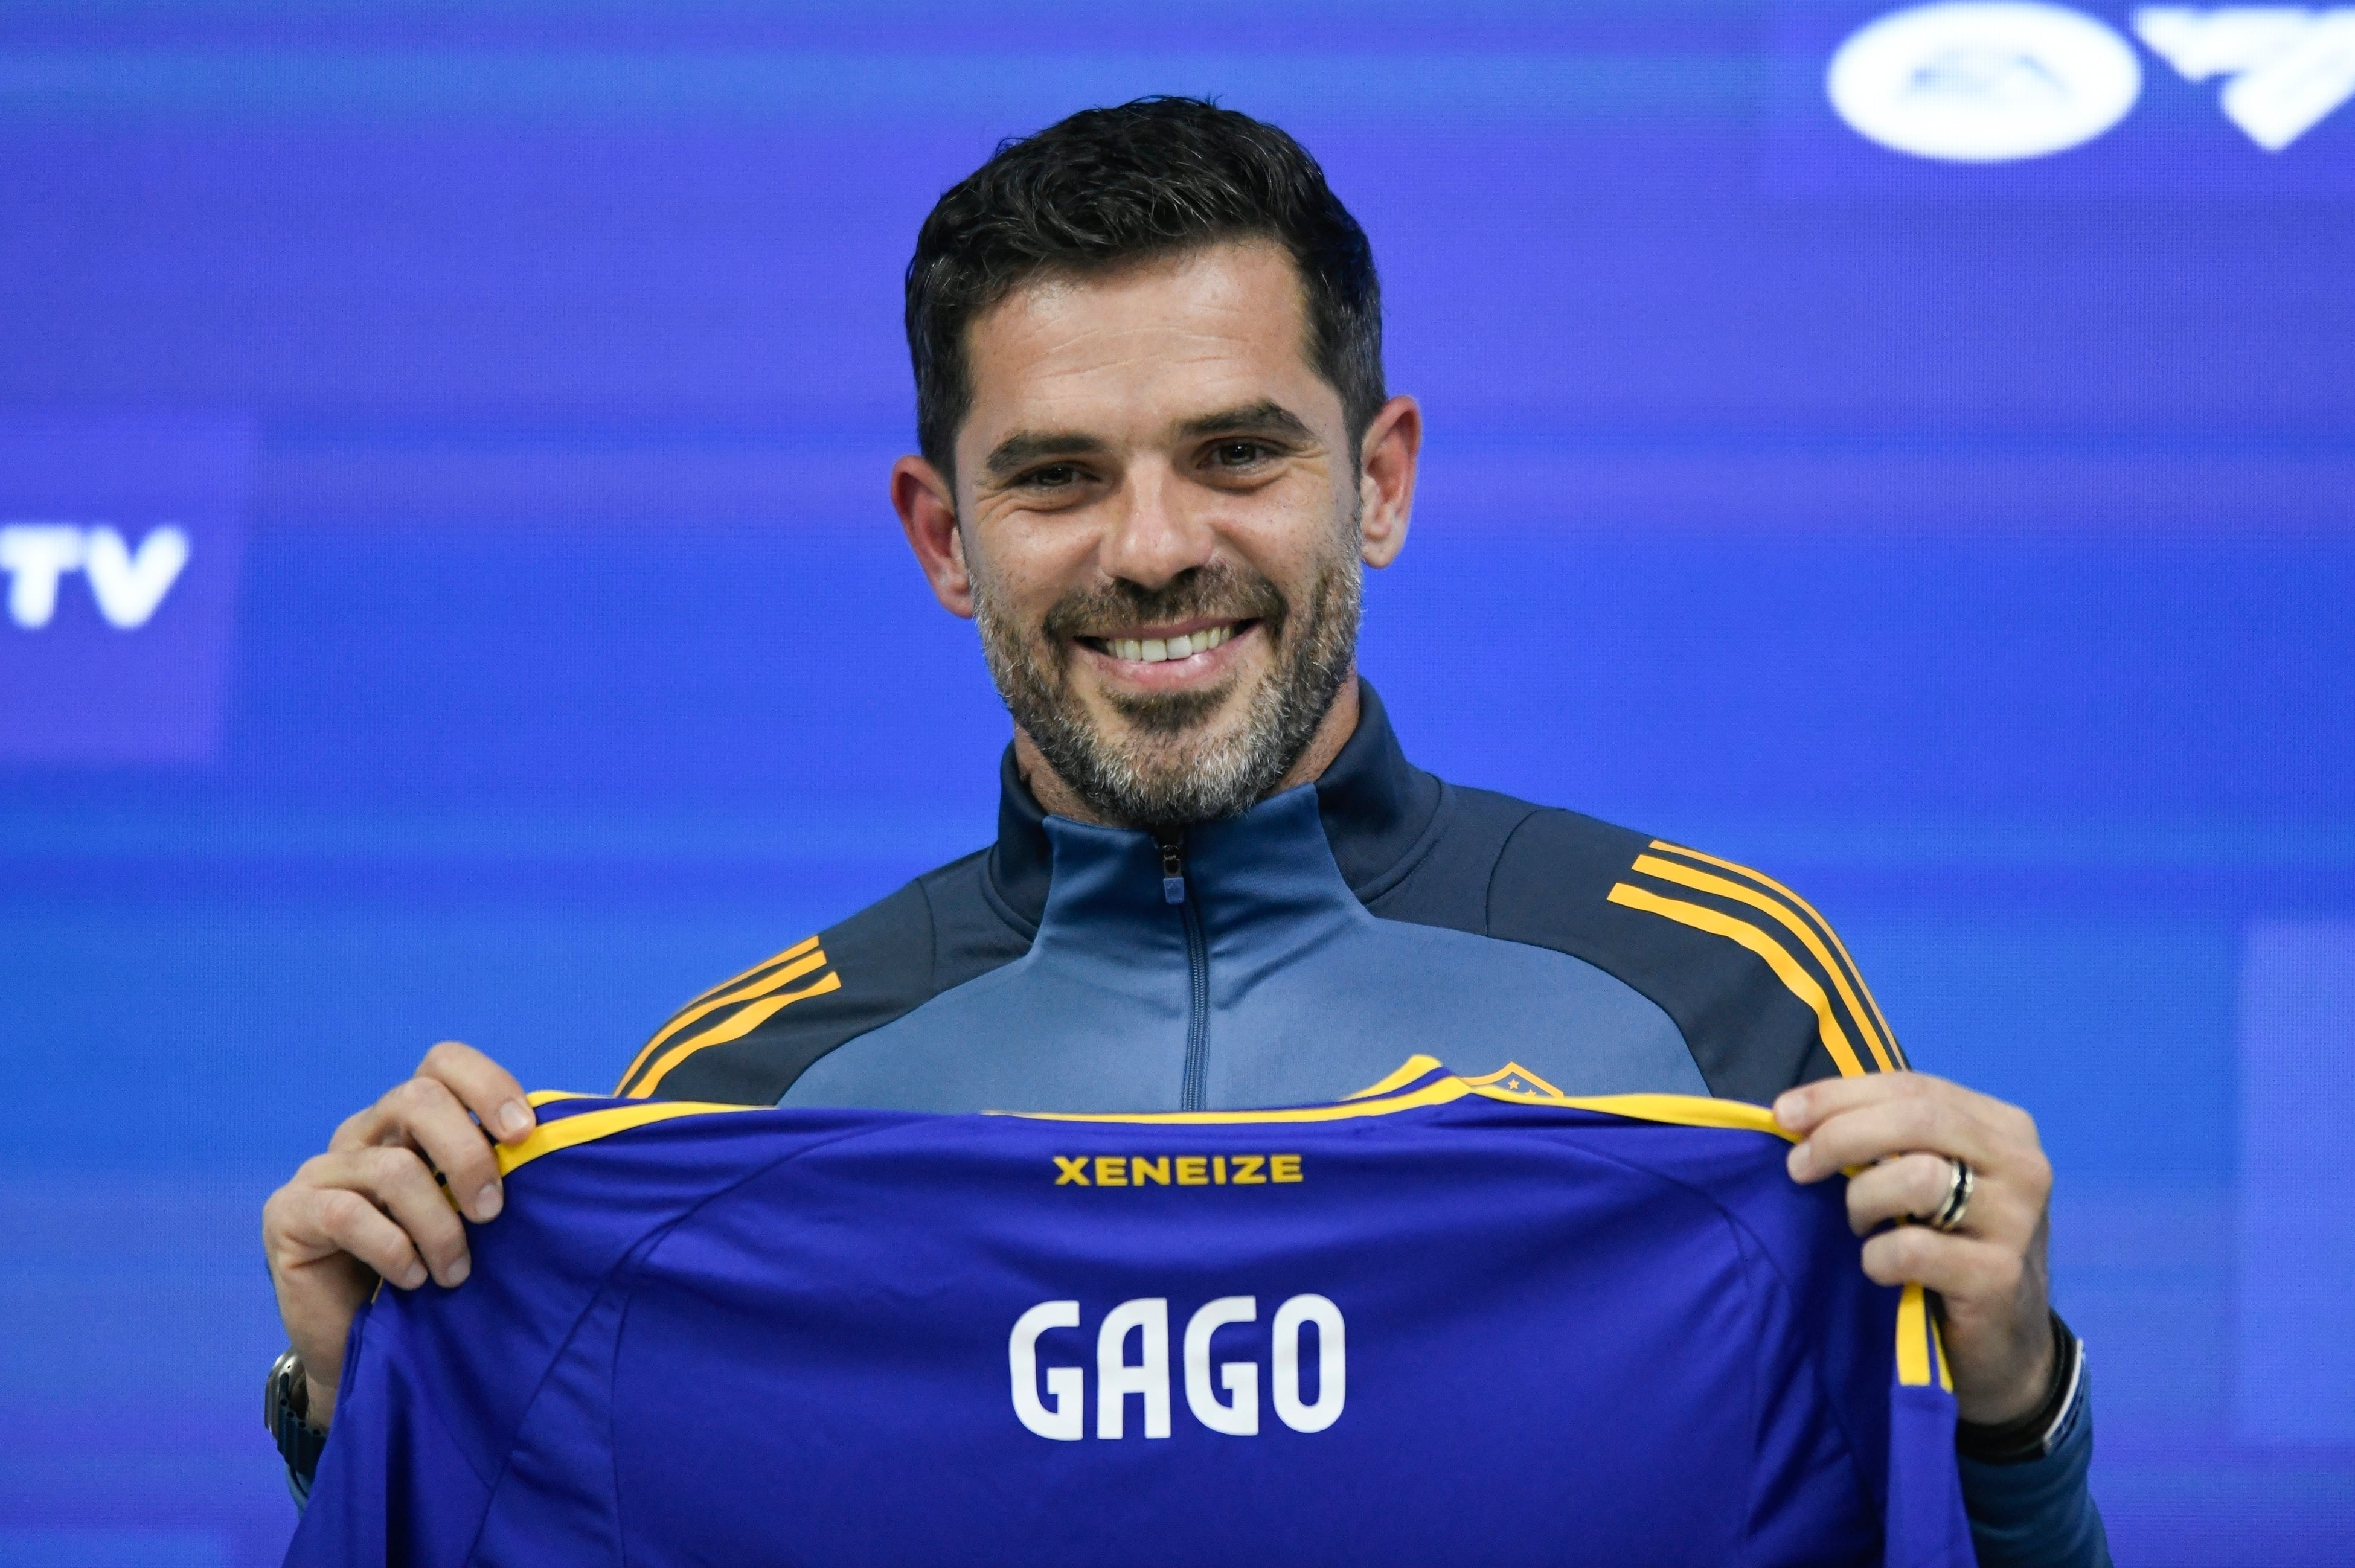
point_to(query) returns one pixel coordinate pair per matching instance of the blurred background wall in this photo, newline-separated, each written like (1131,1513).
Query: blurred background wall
(450,593)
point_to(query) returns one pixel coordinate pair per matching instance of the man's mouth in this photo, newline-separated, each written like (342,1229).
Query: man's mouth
(1159,645)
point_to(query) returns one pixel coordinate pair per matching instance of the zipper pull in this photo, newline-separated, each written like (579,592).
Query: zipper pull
(1173,872)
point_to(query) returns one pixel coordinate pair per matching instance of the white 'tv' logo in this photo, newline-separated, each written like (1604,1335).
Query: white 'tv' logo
(2289,66)
(128,586)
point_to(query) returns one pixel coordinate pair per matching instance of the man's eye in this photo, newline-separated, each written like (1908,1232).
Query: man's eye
(1236,454)
(1054,477)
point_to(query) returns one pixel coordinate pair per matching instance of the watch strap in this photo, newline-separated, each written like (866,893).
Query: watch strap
(285,1411)
(2033,1435)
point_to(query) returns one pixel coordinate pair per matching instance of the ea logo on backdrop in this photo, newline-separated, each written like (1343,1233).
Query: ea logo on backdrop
(1993,83)
(1985,83)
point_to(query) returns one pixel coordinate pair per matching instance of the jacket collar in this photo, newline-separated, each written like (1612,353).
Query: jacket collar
(1376,808)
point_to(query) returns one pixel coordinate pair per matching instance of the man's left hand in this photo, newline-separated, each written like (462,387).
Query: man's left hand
(1898,1131)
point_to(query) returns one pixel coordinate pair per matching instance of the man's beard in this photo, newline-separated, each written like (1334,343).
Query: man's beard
(1163,770)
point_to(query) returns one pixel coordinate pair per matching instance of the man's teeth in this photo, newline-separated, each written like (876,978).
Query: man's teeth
(1154,650)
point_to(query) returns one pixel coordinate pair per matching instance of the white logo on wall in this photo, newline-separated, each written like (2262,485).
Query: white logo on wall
(2289,67)
(1978,83)
(1995,82)
(128,585)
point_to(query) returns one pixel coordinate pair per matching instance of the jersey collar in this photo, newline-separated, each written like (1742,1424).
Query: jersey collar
(1376,807)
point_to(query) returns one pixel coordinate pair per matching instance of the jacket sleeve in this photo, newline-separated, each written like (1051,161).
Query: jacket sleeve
(1767,997)
(1760,987)
(2038,1512)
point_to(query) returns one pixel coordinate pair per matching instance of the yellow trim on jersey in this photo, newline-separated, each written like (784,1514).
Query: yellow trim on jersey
(1443,1091)
(1920,1346)
(1830,935)
(734,1027)
(1412,1068)
(711,1000)
(1503,1079)
(1703,881)
(591,1126)
(1778,958)
(1677,1110)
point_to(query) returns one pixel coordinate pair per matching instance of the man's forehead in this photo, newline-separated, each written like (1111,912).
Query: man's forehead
(1200,284)
(1145,350)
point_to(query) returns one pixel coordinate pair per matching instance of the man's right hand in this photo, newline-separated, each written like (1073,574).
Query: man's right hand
(369,1208)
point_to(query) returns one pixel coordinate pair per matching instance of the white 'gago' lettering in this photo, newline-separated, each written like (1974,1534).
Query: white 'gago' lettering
(127,586)
(1238,1417)
(1117,1378)
(1063,1414)
(1066,1420)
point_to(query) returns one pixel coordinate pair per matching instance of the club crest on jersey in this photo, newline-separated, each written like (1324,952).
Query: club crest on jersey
(1063,1414)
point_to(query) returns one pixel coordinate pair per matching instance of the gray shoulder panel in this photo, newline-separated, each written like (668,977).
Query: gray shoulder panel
(1311,996)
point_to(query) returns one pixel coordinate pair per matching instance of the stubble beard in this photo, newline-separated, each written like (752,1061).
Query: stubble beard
(1163,765)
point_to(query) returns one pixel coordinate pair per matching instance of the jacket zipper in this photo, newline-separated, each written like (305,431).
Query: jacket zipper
(1194,1090)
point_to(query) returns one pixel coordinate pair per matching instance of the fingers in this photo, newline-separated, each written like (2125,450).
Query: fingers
(457,1094)
(1898,1132)
(1803,1109)
(1965,1268)
(1910,1187)
(383,1207)
(304,1225)
(483,1086)
(430,1118)
(1904,1113)
(372,1207)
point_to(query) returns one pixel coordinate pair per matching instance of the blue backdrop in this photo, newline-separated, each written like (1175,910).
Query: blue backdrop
(450,593)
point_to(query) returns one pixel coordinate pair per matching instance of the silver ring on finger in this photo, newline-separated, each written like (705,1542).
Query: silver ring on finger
(1950,1214)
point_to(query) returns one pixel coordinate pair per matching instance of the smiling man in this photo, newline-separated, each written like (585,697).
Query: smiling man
(1157,453)
(1168,598)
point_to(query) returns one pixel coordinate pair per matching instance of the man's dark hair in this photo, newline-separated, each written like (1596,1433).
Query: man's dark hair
(1108,186)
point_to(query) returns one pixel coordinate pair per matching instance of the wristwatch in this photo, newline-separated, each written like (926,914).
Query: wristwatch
(2030,1438)
(285,1411)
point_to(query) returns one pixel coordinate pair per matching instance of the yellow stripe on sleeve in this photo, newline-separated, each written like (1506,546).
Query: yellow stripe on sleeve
(1703,881)
(1822,924)
(1778,958)
(801,965)
(736,1026)
(591,1126)
(795,951)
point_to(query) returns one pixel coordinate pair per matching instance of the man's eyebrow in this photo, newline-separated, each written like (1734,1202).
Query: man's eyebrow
(1266,417)
(1029,446)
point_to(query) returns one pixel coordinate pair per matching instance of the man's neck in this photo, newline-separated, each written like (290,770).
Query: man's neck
(1059,799)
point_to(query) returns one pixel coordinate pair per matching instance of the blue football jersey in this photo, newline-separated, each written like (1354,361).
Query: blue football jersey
(1448,1320)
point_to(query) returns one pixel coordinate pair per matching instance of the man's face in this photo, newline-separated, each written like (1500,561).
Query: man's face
(1158,507)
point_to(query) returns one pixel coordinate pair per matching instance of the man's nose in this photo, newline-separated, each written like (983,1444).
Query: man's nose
(1153,534)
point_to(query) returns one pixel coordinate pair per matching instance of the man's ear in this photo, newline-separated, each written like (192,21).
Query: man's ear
(1388,458)
(921,493)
